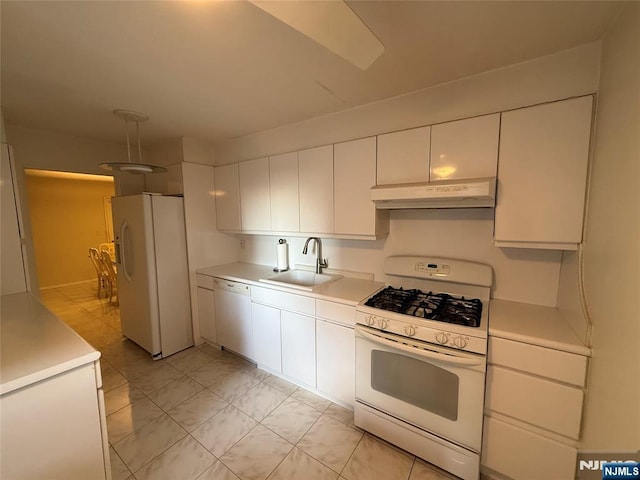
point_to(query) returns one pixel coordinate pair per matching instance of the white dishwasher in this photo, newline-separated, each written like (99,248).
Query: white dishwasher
(233,316)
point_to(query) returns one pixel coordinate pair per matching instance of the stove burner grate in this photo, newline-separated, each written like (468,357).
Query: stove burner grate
(441,307)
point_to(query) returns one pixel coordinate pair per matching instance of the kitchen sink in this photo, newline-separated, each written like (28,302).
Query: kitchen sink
(300,279)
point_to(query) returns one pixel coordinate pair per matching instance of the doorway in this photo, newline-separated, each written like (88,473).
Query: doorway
(68,215)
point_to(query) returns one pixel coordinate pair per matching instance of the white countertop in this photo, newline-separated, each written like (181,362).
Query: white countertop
(36,344)
(534,324)
(346,290)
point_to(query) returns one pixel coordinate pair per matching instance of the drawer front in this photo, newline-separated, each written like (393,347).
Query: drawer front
(204,281)
(336,312)
(284,300)
(546,362)
(518,453)
(544,403)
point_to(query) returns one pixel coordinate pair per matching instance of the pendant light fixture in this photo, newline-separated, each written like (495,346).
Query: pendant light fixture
(131,167)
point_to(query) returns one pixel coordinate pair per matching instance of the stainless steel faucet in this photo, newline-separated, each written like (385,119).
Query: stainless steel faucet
(320,262)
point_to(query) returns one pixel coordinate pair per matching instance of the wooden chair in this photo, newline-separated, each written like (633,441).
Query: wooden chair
(101,273)
(111,276)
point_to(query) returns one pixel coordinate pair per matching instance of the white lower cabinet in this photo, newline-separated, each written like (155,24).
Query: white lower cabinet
(267,345)
(335,361)
(233,317)
(533,409)
(524,455)
(299,347)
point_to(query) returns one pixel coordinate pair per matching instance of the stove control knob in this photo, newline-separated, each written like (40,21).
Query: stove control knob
(370,320)
(410,330)
(442,338)
(460,342)
(383,323)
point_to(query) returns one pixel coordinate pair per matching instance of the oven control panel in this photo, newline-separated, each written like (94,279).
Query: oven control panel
(419,331)
(433,269)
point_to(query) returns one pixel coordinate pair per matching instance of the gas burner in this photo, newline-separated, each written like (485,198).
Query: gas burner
(441,307)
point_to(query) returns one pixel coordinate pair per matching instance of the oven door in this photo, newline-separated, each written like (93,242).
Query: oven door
(437,389)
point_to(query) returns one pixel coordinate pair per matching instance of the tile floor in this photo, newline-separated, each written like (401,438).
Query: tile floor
(209,415)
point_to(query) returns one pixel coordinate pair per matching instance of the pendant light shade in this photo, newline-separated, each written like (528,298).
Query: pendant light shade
(138,168)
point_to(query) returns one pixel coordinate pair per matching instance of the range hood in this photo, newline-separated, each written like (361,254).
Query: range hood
(463,193)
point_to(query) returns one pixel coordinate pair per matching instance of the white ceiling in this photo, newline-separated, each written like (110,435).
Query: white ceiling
(220,69)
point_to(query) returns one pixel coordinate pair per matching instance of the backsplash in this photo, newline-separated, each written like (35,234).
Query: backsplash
(521,275)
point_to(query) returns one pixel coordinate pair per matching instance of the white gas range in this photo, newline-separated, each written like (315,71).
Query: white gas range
(421,348)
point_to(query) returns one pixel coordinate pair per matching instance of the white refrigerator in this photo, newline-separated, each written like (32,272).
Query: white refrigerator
(153,273)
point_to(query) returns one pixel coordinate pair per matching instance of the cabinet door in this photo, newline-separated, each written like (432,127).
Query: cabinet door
(285,210)
(227,197)
(266,336)
(299,347)
(465,148)
(537,456)
(544,152)
(207,314)
(336,361)
(403,157)
(354,175)
(255,200)
(316,189)
(524,397)
(233,322)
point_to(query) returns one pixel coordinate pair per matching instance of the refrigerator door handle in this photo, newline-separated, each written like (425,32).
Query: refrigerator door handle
(122,251)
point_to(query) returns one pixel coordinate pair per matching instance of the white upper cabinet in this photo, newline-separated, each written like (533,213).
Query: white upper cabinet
(465,148)
(542,176)
(316,189)
(354,175)
(227,197)
(403,157)
(255,203)
(285,210)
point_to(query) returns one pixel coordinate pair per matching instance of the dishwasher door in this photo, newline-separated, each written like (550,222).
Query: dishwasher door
(233,316)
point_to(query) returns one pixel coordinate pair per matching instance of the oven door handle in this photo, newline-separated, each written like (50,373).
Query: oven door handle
(440,357)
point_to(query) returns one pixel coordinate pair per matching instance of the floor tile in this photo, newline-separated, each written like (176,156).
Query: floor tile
(330,441)
(175,392)
(130,418)
(111,378)
(154,378)
(233,386)
(119,470)
(281,384)
(218,471)
(299,465)
(190,362)
(292,419)
(311,399)
(423,471)
(212,372)
(197,409)
(260,400)
(374,458)
(120,397)
(340,413)
(145,444)
(255,372)
(223,430)
(257,454)
(185,460)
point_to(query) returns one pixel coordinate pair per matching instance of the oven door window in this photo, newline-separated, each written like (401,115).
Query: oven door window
(417,382)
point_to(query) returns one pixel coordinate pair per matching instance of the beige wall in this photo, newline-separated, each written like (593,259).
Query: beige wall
(612,246)
(67,217)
